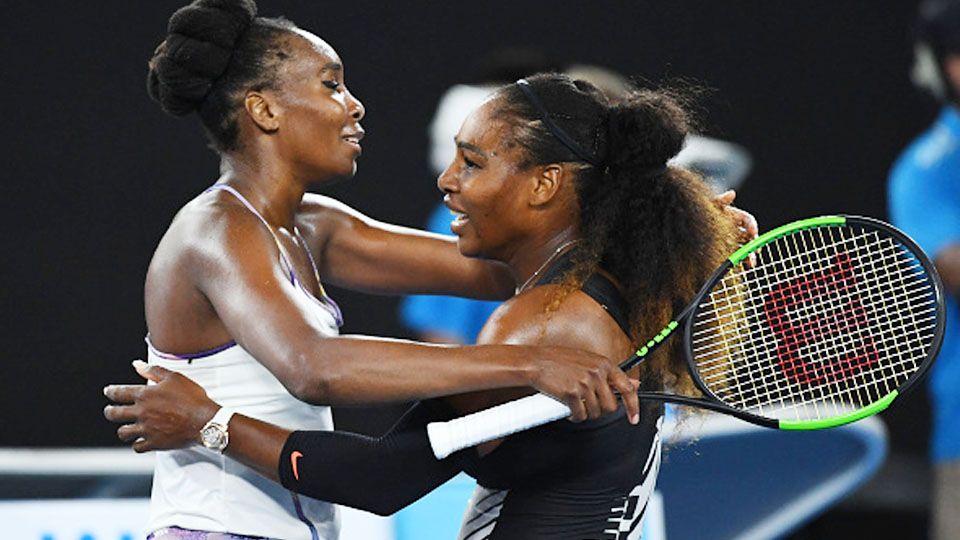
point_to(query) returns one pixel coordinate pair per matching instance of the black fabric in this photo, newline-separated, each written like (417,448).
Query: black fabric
(606,451)
(556,130)
(567,484)
(569,481)
(565,480)
(597,286)
(605,293)
(379,475)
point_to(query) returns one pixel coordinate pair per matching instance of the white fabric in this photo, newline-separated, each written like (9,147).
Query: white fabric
(199,489)
(454,107)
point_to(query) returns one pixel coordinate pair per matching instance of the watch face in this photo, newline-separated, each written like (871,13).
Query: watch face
(213,437)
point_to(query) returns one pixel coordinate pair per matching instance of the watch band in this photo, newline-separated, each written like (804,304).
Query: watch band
(222,417)
(214,435)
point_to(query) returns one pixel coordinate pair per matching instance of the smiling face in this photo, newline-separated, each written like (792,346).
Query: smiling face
(486,190)
(319,130)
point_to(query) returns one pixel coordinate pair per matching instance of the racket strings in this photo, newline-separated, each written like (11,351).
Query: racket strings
(859,342)
(848,341)
(726,321)
(827,318)
(767,391)
(891,346)
(754,316)
(799,267)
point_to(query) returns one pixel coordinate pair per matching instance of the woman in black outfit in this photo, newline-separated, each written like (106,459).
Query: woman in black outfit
(605,240)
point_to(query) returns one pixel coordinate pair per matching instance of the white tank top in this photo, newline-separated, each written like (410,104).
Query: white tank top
(196,488)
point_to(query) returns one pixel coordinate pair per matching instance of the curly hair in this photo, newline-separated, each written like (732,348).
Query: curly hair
(654,227)
(214,51)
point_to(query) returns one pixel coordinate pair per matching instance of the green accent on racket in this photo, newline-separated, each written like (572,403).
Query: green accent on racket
(770,236)
(840,420)
(832,320)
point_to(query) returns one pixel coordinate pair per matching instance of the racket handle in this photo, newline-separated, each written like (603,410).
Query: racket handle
(493,423)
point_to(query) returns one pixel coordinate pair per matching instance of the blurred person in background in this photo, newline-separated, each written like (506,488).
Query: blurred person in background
(454,319)
(924,199)
(450,319)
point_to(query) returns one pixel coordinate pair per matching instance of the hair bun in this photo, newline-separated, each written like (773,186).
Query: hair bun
(197,50)
(646,130)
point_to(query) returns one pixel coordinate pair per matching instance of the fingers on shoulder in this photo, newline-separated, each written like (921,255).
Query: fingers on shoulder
(121,413)
(124,393)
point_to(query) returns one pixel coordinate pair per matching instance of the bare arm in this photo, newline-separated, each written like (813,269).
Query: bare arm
(360,253)
(171,413)
(233,264)
(377,474)
(578,323)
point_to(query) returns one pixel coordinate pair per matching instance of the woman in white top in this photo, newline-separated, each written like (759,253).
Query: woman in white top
(233,294)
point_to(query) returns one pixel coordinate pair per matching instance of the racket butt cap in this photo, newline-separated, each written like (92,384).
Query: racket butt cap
(439,439)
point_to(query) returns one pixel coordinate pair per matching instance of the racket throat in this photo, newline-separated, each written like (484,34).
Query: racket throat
(644,352)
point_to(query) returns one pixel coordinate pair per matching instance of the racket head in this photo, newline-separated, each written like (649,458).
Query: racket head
(838,317)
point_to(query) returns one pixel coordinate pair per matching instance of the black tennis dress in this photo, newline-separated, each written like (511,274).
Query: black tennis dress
(590,480)
(560,481)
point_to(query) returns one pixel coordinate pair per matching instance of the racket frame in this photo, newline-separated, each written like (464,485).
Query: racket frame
(531,411)
(687,318)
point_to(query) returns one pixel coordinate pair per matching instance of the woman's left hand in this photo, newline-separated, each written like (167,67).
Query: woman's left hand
(162,416)
(745,222)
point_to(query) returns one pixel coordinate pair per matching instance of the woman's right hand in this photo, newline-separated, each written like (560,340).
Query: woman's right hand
(161,416)
(585,382)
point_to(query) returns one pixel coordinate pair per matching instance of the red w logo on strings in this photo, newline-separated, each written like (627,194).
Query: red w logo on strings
(838,329)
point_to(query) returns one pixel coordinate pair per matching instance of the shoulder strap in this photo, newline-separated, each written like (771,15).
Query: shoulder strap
(605,293)
(242,199)
(313,262)
(597,286)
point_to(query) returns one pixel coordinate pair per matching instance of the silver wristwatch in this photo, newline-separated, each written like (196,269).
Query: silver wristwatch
(214,434)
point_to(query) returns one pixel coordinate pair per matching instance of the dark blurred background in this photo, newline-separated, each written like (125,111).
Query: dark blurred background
(818,91)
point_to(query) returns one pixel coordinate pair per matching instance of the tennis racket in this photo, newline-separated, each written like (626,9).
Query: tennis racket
(835,317)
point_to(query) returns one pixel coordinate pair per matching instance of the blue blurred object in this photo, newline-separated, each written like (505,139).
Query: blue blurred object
(739,481)
(924,202)
(438,515)
(459,319)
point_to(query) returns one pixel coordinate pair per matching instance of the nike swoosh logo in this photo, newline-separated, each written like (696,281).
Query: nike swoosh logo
(293,461)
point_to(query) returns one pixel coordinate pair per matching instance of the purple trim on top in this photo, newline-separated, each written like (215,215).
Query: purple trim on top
(189,534)
(337,314)
(245,202)
(323,301)
(314,534)
(188,356)
(306,247)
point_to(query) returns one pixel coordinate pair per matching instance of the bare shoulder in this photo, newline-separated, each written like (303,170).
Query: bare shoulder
(204,232)
(204,243)
(320,217)
(315,205)
(318,210)
(577,322)
(536,318)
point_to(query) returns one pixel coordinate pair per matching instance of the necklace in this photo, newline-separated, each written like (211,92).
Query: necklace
(546,263)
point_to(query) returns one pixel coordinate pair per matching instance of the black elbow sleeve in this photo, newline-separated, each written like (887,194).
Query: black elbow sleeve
(379,475)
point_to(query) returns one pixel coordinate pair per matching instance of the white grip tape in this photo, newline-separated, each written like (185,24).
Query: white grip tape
(493,423)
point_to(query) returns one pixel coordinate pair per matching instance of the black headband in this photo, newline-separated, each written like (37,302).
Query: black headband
(557,131)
